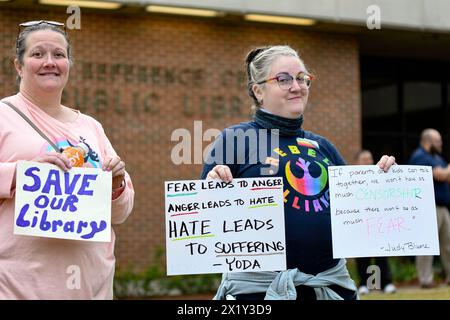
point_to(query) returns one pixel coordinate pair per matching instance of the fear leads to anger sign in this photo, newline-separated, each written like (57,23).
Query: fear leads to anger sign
(213,226)
(72,205)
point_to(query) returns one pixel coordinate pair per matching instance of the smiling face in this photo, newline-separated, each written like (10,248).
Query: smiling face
(289,103)
(46,66)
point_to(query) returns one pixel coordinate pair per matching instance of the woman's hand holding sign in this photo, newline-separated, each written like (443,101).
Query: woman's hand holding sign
(221,172)
(54,158)
(117,168)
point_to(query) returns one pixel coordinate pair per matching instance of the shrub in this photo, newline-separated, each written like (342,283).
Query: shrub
(154,281)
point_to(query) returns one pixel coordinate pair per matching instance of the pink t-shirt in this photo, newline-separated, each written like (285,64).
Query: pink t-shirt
(47,268)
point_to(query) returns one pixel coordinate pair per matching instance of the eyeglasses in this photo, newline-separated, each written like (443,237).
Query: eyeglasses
(38,22)
(285,80)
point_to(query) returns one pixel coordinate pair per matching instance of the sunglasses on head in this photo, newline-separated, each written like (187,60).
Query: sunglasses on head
(38,22)
(28,24)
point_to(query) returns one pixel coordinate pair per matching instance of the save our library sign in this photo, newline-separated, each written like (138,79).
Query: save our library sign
(73,205)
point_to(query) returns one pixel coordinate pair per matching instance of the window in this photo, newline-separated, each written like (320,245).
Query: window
(400,98)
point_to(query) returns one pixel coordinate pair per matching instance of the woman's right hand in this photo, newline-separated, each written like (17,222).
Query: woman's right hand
(54,158)
(221,172)
(50,157)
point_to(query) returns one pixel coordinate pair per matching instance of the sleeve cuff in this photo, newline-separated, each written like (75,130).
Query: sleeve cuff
(116,192)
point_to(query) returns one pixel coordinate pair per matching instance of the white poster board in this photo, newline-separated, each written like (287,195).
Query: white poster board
(374,213)
(72,205)
(214,226)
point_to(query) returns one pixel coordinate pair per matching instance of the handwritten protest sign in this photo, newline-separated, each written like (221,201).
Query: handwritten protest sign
(374,213)
(68,205)
(214,226)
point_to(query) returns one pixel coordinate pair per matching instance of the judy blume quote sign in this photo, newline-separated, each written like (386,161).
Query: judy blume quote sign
(215,227)
(374,213)
(72,205)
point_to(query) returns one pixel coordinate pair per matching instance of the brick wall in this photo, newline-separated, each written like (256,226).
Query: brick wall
(144,76)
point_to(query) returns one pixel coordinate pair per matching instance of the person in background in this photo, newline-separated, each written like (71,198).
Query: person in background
(364,157)
(429,154)
(38,267)
(279,84)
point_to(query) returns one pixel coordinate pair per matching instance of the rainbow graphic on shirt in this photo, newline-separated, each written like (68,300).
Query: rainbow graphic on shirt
(302,142)
(306,172)
(307,185)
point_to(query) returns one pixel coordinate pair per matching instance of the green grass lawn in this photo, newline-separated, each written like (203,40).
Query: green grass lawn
(411,293)
(403,293)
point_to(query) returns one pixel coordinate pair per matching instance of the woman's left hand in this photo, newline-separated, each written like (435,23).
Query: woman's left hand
(386,162)
(117,166)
